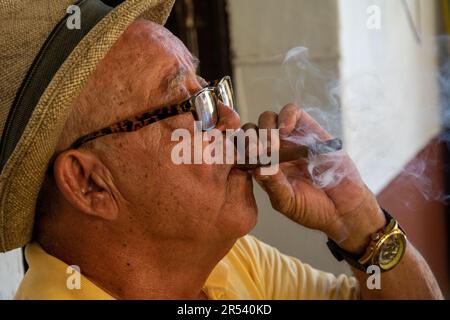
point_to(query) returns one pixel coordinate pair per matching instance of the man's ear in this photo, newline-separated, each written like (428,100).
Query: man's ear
(86,184)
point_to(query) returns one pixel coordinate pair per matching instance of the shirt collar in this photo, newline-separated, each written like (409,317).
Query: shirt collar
(50,278)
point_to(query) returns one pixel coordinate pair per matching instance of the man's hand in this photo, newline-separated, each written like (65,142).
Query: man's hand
(326,193)
(341,206)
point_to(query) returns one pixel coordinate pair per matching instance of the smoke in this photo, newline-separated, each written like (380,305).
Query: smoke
(426,173)
(318,91)
(443,76)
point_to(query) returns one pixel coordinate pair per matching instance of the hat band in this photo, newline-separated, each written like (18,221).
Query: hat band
(55,50)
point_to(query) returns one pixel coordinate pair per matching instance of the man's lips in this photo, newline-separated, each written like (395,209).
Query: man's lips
(240,181)
(235,171)
(239,177)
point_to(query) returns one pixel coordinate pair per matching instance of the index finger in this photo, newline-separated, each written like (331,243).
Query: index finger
(293,120)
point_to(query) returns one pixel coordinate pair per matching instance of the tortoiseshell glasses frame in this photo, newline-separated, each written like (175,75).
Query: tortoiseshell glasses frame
(203,106)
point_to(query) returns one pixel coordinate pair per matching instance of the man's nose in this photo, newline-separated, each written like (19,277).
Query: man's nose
(228,118)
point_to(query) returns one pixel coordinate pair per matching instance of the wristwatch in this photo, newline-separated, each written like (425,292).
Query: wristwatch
(385,250)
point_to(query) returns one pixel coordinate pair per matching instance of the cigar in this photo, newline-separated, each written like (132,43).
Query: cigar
(288,154)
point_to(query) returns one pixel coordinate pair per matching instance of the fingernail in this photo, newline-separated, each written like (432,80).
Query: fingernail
(282,132)
(262,177)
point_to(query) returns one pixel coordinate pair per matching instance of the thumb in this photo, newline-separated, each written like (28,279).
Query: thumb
(278,188)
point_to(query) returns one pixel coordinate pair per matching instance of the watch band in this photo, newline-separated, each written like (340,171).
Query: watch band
(340,254)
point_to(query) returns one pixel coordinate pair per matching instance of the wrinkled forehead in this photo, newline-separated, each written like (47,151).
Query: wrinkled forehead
(154,57)
(148,40)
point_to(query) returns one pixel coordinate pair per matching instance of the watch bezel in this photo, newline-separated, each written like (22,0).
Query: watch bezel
(379,246)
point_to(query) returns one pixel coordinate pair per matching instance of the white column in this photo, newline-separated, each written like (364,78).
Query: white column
(11,273)
(390,105)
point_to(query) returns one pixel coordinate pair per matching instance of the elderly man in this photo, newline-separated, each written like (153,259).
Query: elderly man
(139,226)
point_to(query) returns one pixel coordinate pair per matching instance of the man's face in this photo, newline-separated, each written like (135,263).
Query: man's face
(146,69)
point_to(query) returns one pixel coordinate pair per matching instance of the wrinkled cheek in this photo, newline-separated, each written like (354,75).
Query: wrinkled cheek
(150,139)
(240,215)
(239,191)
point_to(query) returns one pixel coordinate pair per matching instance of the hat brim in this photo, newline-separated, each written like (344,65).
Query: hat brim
(24,172)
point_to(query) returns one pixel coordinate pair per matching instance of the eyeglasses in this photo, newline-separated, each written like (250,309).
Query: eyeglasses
(203,106)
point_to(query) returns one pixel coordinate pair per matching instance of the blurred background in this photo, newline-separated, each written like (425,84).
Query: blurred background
(375,73)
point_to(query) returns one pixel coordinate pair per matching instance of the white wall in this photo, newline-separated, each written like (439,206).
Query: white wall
(11,272)
(389,89)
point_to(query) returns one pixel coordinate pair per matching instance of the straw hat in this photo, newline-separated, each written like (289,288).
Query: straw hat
(43,66)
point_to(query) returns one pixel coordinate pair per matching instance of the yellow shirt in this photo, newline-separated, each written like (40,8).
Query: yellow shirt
(251,270)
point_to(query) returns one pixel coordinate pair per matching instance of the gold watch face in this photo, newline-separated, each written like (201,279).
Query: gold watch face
(390,251)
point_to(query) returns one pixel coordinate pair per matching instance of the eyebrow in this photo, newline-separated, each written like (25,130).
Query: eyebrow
(175,78)
(195,61)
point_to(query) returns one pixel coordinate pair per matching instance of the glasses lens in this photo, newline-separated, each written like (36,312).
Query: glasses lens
(205,105)
(225,92)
